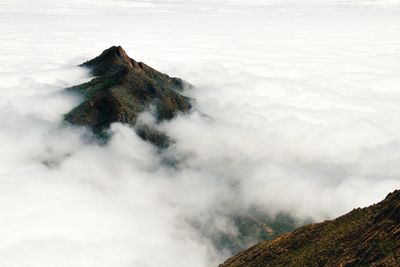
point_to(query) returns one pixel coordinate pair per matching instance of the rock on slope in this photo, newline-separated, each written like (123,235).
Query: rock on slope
(363,237)
(122,89)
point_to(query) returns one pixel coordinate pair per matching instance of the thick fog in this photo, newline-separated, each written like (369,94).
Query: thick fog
(302,104)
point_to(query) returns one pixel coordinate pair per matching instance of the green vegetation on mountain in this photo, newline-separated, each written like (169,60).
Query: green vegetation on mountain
(251,228)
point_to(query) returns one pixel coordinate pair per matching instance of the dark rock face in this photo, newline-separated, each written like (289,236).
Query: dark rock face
(122,90)
(363,237)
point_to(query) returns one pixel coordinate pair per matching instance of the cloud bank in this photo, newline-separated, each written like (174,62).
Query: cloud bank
(302,118)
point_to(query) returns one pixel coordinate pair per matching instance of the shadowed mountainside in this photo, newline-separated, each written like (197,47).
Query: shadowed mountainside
(122,89)
(363,237)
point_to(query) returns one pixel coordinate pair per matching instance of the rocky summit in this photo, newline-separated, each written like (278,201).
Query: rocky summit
(363,237)
(121,90)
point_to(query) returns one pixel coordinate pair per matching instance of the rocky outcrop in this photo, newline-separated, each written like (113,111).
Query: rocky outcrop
(122,89)
(363,237)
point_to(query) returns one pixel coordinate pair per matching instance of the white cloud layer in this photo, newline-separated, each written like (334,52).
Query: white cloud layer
(303,99)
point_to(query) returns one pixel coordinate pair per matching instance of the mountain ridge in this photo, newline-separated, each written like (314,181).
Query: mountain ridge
(367,236)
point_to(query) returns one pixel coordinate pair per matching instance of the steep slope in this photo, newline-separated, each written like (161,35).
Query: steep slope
(363,237)
(122,90)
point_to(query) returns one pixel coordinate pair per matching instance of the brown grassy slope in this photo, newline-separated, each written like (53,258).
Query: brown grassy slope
(363,237)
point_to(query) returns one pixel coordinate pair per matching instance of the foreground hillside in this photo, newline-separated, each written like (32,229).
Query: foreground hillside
(363,237)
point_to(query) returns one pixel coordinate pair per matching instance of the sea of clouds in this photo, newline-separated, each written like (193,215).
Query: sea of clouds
(303,117)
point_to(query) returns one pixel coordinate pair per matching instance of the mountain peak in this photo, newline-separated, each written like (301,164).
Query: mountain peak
(122,90)
(125,58)
(110,61)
